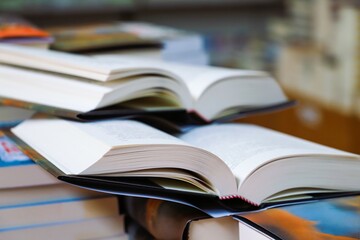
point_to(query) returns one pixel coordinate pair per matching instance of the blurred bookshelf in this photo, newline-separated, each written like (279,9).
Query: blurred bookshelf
(62,12)
(235,30)
(40,7)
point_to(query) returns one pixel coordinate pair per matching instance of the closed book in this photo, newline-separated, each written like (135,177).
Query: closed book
(57,212)
(105,228)
(43,194)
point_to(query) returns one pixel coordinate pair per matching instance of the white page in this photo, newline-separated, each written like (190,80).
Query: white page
(67,147)
(196,78)
(104,68)
(78,94)
(117,133)
(244,147)
(139,147)
(50,89)
(61,62)
(73,146)
(118,146)
(55,57)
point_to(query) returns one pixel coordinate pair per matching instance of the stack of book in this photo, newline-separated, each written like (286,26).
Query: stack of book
(159,130)
(17,30)
(141,39)
(34,204)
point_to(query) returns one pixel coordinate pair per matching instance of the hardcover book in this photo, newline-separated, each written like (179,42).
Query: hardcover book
(109,86)
(209,167)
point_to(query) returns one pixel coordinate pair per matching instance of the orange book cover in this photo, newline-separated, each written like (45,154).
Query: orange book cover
(17,27)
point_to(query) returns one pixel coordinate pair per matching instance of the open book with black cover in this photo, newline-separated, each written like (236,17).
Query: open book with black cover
(232,167)
(89,87)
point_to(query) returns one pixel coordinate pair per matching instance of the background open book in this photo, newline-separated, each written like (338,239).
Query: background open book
(226,162)
(96,87)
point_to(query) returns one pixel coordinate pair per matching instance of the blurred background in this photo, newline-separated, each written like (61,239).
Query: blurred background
(310,46)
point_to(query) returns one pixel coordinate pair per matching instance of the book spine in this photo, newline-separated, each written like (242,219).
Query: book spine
(231,197)
(154,214)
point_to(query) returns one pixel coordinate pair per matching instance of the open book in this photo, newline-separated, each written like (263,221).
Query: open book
(228,161)
(81,84)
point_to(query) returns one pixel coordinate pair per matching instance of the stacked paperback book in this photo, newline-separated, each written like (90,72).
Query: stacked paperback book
(157,130)
(34,204)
